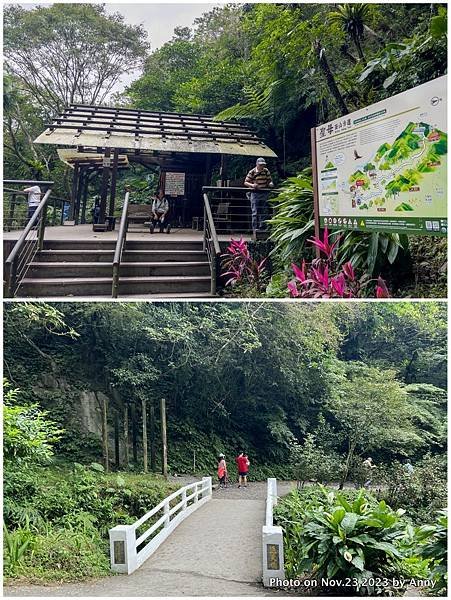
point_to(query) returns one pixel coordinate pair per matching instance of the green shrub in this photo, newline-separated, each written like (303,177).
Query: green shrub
(436,550)
(334,536)
(422,493)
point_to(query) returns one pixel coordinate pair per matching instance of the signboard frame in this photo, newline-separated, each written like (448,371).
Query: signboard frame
(372,224)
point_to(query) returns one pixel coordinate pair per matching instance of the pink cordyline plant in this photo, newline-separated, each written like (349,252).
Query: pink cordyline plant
(324,278)
(240,267)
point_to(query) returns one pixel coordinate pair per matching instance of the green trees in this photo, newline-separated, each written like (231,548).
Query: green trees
(352,19)
(54,56)
(257,374)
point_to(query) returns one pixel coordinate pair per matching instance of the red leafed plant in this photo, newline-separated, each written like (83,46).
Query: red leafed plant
(324,278)
(241,268)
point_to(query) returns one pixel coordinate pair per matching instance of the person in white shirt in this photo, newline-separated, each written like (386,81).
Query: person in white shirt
(160,210)
(34,199)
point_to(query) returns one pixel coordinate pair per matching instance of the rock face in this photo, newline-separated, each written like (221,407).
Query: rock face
(83,407)
(90,413)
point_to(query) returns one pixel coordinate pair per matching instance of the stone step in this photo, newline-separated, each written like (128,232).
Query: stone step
(63,256)
(163,242)
(101,286)
(164,255)
(105,269)
(107,256)
(80,245)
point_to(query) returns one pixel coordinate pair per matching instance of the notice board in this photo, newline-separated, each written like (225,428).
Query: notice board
(383,168)
(174,184)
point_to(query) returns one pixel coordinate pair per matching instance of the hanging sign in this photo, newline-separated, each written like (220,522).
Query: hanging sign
(383,168)
(175,184)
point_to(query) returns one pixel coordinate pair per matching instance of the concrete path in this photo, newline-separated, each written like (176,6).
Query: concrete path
(215,552)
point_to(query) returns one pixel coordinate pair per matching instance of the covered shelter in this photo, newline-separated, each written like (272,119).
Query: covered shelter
(186,147)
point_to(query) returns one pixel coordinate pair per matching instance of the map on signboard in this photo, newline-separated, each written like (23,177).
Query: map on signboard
(175,184)
(384,168)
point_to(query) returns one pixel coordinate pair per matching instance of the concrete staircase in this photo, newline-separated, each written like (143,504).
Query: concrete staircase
(84,268)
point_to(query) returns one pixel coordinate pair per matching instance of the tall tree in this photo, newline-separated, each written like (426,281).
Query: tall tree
(68,53)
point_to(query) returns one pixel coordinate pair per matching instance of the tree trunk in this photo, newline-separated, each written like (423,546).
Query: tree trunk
(144,416)
(164,447)
(153,449)
(330,79)
(351,449)
(358,45)
(126,453)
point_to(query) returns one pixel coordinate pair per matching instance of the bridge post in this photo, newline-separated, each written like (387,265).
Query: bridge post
(272,541)
(184,505)
(123,549)
(207,483)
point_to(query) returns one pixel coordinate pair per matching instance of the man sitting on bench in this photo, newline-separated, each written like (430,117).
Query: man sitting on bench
(160,211)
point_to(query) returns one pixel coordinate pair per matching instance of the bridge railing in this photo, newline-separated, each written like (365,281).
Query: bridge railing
(272,539)
(131,545)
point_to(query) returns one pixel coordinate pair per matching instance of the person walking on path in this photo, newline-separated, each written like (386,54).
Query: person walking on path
(257,180)
(368,465)
(34,199)
(222,471)
(243,463)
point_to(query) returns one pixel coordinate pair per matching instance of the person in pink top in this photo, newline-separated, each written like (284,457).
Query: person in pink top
(242,462)
(222,471)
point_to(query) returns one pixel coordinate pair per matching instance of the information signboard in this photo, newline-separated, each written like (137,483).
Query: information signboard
(383,168)
(175,184)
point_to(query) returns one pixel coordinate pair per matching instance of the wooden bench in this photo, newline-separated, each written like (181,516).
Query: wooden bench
(139,214)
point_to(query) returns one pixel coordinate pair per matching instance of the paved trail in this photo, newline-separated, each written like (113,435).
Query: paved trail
(214,552)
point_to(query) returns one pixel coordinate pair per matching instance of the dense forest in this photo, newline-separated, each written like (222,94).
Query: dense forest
(309,391)
(281,68)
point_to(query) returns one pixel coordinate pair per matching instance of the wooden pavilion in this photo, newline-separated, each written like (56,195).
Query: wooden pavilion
(100,140)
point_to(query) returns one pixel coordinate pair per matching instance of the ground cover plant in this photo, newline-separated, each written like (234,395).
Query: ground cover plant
(358,541)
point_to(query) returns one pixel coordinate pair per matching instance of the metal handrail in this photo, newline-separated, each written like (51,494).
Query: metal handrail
(14,276)
(27,182)
(211,244)
(120,247)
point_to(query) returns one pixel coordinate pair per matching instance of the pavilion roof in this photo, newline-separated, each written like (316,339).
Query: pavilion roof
(136,131)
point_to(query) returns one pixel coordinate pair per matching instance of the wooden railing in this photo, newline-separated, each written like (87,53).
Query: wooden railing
(29,243)
(211,245)
(130,546)
(272,540)
(121,238)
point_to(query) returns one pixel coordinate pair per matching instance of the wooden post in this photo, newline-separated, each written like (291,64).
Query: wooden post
(113,181)
(105,180)
(106,458)
(164,446)
(80,188)
(85,198)
(74,192)
(153,449)
(126,453)
(315,188)
(134,433)
(116,441)
(223,170)
(144,416)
